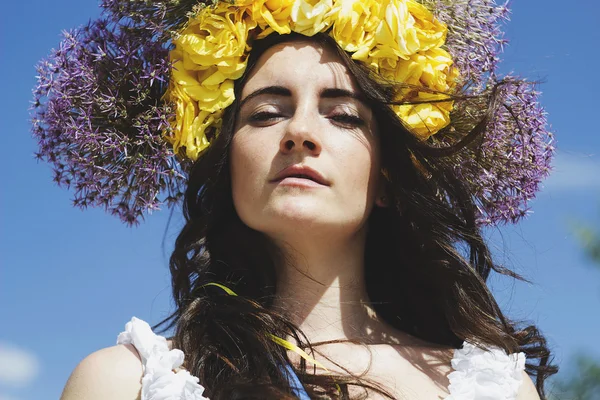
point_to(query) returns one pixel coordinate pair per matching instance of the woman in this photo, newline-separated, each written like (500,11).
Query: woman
(320,219)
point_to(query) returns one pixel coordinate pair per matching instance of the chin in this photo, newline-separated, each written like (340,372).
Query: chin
(305,215)
(298,216)
(306,222)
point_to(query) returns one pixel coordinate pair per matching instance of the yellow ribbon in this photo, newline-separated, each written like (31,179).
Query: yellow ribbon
(282,342)
(225,288)
(297,350)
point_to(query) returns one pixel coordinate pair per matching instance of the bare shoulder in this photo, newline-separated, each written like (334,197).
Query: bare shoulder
(111,373)
(527,391)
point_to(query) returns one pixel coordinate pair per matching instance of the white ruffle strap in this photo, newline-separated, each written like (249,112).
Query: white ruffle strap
(478,374)
(485,375)
(160,381)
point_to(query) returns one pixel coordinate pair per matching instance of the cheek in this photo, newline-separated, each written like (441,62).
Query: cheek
(358,163)
(249,170)
(239,159)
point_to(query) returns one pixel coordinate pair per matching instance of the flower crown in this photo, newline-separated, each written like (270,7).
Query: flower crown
(399,39)
(126,103)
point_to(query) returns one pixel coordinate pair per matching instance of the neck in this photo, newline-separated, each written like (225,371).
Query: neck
(321,288)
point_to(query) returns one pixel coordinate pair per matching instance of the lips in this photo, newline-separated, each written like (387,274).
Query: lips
(301,172)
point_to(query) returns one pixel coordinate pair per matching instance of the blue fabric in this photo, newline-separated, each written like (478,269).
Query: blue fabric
(295,383)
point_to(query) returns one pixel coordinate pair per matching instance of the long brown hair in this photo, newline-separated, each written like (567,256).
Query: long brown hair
(426,263)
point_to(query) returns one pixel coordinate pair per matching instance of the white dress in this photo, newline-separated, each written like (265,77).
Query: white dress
(478,374)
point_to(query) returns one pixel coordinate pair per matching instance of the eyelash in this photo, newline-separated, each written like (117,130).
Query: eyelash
(263,116)
(347,119)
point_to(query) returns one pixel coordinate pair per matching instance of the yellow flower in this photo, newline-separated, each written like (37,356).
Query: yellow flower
(426,119)
(355,25)
(431,69)
(191,125)
(210,53)
(217,36)
(198,106)
(396,34)
(208,88)
(408,50)
(407,28)
(430,31)
(310,17)
(272,15)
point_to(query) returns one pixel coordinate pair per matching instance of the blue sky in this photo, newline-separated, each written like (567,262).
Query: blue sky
(70,280)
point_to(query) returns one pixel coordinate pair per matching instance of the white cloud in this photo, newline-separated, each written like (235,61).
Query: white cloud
(18,367)
(5,397)
(574,171)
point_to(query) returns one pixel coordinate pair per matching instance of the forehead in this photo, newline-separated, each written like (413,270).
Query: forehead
(300,65)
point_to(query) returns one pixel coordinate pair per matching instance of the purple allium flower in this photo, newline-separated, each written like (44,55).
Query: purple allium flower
(99,118)
(475,37)
(166,16)
(506,167)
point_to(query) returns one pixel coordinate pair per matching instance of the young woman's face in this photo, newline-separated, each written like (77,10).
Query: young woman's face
(304,155)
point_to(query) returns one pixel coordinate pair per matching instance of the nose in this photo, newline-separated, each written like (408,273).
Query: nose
(301,134)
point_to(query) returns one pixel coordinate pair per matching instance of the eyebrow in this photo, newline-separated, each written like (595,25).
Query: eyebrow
(329,93)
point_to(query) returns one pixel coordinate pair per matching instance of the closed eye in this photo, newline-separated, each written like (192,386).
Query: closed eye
(264,116)
(348,119)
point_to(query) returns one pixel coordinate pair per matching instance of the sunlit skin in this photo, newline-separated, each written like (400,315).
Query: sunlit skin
(300,106)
